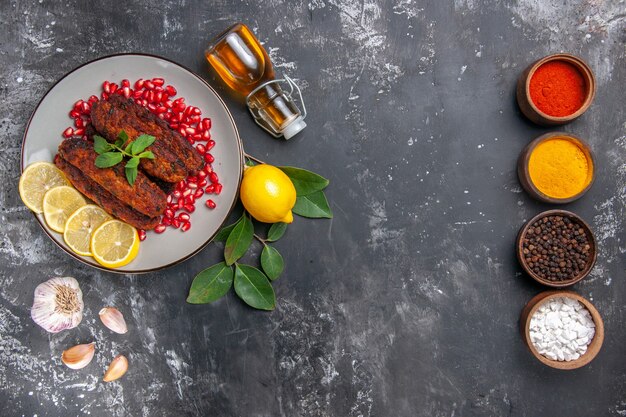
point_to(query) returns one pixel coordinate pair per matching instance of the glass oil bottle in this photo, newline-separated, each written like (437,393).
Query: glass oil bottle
(244,65)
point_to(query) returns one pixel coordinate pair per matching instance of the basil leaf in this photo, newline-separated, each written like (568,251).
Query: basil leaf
(272,262)
(131,175)
(141,143)
(100,145)
(146,154)
(305,182)
(122,136)
(277,230)
(223,234)
(239,240)
(252,286)
(211,284)
(129,147)
(108,159)
(132,162)
(314,206)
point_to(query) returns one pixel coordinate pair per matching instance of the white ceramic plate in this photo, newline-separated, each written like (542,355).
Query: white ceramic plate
(50,118)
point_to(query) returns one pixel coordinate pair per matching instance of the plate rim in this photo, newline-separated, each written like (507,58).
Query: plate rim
(239,178)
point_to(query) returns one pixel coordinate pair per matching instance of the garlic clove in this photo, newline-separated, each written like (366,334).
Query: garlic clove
(113,319)
(79,356)
(58,304)
(117,369)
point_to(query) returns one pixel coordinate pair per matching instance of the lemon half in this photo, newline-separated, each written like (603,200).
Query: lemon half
(81,225)
(37,179)
(114,244)
(58,205)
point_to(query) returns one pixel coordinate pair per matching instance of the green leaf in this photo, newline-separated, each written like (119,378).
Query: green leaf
(108,159)
(223,234)
(131,175)
(132,162)
(146,154)
(239,240)
(211,284)
(141,143)
(252,286)
(250,162)
(306,182)
(122,136)
(272,262)
(314,206)
(119,142)
(100,145)
(277,230)
(129,147)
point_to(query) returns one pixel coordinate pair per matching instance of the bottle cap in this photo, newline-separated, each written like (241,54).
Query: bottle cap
(294,127)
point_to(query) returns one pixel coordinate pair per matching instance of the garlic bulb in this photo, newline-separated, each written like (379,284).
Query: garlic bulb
(58,304)
(79,356)
(113,319)
(117,369)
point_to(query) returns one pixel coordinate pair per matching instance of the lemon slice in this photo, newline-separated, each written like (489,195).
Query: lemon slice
(81,225)
(58,205)
(114,244)
(36,180)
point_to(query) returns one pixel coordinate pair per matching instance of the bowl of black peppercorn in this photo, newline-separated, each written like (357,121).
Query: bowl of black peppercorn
(556,248)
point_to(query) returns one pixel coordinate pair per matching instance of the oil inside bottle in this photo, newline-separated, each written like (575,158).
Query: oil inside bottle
(244,65)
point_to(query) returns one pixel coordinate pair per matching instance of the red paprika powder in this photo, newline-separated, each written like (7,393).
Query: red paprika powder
(557,88)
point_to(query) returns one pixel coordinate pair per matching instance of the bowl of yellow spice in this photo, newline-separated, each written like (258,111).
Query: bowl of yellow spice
(556,167)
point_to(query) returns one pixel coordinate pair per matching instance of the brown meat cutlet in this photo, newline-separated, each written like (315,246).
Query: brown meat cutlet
(103,198)
(174,159)
(144,196)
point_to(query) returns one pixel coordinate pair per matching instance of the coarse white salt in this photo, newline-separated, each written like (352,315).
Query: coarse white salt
(561,329)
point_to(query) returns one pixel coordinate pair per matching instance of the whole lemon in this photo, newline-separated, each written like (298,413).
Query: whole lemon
(268,194)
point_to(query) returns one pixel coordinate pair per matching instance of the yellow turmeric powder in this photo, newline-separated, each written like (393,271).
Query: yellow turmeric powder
(559,168)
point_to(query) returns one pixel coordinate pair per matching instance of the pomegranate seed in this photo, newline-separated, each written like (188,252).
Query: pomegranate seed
(206,135)
(79,132)
(188,111)
(180,107)
(145,94)
(197,137)
(161,116)
(197,111)
(180,204)
(189,207)
(79,122)
(160,228)
(142,235)
(125,83)
(151,96)
(166,221)
(192,185)
(86,108)
(74,114)
(180,185)
(177,194)
(112,88)
(183,217)
(126,92)
(169,213)
(168,104)
(152,107)
(106,87)
(201,174)
(158,97)
(93,98)
(175,223)
(185,226)
(211,204)
(174,125)
(203,182)
(192,179)
(218,188)
(210,144)
(213,178)
(186,192)
(169,199)
(149,85)
(161,109)
(104,96)
(210,189)
(137,94)
(190,199)
(199,193)
(206,123)
(158,81)
(195,119)
(201,149)
(209,158)
(144,102)
(179,100)
(190,131)
(68,132)
(139,84)
(171,90)
(208,168)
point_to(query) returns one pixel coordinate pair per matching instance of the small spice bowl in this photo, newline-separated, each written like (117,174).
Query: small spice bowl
(529,268)
(530,109)
(523,171)
(592,349)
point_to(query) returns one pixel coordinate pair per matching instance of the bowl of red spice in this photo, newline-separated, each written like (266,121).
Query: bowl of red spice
(556,89)
(556,248)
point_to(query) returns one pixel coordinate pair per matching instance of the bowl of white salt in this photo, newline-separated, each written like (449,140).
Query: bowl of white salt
(562,329)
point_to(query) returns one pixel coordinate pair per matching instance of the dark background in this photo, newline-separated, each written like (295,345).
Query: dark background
(407,302)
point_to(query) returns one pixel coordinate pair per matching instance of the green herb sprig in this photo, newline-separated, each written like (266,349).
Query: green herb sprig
(111,154)
(253,285)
